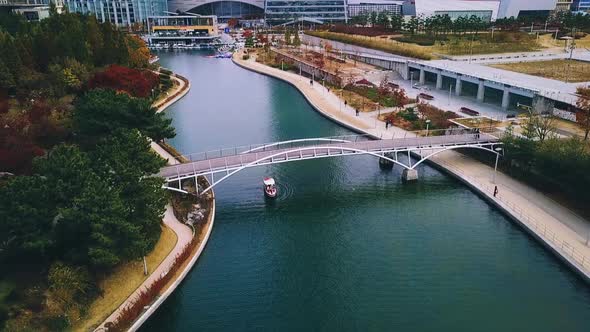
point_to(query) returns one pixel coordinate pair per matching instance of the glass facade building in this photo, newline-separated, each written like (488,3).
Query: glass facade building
(582,5)
(281,11)
(391,8)
(119,12)
(485,15)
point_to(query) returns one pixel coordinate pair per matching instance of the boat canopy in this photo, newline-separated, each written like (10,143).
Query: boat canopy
(269,181)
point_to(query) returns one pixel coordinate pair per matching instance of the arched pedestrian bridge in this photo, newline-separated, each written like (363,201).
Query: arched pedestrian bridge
(228,162)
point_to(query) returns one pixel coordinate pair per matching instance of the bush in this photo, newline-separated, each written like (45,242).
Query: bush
(245,57)
(422,40)
(360,31)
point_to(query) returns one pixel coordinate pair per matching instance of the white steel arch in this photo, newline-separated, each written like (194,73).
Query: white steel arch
(338,151)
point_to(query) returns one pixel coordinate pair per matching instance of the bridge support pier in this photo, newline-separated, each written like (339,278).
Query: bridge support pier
(422,76)
(458,86)
(481,88)
(439,80)
(409,175)
(505,98)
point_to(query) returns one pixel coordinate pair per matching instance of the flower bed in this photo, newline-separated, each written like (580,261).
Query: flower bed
(383,95)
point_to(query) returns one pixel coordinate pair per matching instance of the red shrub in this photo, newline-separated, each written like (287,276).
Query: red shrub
(137,83)
(4,106)
(130,313)
(16,150)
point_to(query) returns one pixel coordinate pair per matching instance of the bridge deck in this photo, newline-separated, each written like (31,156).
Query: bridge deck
(277,154)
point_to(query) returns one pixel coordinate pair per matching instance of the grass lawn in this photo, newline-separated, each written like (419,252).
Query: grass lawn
(356,101)
(478,122)
(123,281)
(483,43)
(506,42)
(377,43)
(559,69)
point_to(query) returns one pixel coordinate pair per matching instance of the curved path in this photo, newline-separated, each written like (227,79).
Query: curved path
(559,229)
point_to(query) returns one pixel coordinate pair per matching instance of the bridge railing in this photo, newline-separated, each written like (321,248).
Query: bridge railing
(540,228)
(322,141)
(275,146)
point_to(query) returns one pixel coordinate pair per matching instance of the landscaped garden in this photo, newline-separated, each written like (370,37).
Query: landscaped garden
(559,69)
(418,117)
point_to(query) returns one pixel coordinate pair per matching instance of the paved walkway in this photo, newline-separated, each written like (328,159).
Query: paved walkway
(556,226)
(184,235)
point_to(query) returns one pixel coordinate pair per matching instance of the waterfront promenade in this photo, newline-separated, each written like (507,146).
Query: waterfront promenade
(558,228)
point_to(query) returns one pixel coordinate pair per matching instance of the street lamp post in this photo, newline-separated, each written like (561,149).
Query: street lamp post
(498,150)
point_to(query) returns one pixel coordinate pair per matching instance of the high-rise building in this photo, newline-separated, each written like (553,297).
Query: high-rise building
(484,9)
(119,12)
(224,10)
(516,8)
(581,5)
(357,7)
(280,11)
(563,5)
(32,10)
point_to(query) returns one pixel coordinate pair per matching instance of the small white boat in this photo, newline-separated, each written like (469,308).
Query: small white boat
(270,189)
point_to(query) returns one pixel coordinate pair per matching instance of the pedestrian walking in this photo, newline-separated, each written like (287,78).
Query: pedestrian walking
(495,191)
(386,125)
(357,112)
(310,82)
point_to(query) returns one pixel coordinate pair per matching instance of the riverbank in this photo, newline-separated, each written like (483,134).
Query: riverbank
(185,239)
(557,228)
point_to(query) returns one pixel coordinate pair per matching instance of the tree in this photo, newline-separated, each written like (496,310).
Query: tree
(139,53)
(137,83)
(232,23)
(296,40)
(99,113)
(383,19)
(396,22)
(583,114)
(66,171)
(287,36)
(412,25)
(27,212)
(539,125)
(126,161)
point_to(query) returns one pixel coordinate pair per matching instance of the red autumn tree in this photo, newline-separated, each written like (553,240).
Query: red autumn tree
(232,23)
(17,150)
(137,83)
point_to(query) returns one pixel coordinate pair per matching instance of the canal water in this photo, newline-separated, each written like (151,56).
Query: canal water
(347,246)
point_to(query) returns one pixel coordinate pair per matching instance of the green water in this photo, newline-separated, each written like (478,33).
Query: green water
(347,246)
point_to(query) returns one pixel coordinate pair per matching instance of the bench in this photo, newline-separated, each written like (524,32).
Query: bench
(425,96)
(468,111)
